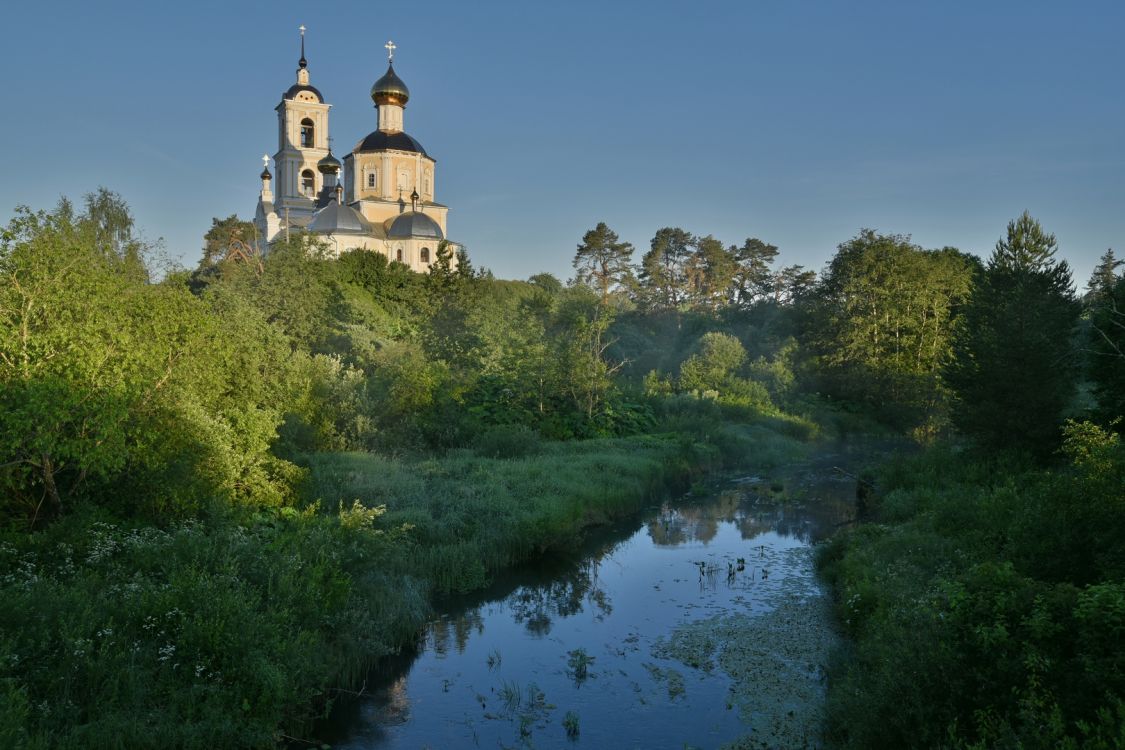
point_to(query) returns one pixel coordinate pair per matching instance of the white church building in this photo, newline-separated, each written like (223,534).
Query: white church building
(383,201)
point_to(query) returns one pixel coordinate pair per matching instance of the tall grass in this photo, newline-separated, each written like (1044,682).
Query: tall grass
(470,516)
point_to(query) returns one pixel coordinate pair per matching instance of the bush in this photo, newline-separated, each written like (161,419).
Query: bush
(514,441)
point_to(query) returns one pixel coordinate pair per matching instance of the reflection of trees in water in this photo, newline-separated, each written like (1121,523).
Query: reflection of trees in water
(454,629)
(694,523)
(537,605)
(811,508)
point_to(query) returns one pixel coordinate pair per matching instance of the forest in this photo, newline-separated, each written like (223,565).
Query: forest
(226,492)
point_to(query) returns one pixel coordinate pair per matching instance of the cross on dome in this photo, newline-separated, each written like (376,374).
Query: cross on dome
(265,160)
(391,47)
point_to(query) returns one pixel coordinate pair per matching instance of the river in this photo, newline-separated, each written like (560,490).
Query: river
(693,625)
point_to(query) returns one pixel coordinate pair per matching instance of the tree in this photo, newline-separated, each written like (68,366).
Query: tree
(753,279)
(1104,278)
(603,261)
(1107,351)
(883,323)
(1014,367)
(222,235)
(662,277)
(792,284)
(715,369)
(709,273)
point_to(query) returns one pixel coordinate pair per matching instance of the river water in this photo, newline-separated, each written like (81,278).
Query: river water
(695,624)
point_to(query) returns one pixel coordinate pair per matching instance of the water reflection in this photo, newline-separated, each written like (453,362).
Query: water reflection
(807,509)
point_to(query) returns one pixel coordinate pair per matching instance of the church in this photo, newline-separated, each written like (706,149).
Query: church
(381,198)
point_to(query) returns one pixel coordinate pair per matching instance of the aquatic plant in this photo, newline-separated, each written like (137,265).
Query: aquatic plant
(578,662)
(570,724)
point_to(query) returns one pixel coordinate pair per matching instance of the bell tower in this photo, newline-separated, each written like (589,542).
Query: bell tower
(302,135)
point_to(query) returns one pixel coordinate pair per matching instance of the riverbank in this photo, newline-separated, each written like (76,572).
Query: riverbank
(984,603)
(234,631)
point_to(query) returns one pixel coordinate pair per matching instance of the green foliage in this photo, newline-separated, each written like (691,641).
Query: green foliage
(197,635)
(884,322)
(1014,368)
(109,381)
(986,607)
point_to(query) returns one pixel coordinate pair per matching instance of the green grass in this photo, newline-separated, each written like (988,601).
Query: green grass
(470,516)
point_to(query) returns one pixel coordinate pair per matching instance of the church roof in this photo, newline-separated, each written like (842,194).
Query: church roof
(414,224)
(337,219)
(297,88)
(380,141)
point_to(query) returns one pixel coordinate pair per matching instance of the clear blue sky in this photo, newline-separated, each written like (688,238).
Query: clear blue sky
(795,122)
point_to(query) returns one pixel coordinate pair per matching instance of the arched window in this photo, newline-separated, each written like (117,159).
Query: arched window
(371,180)
(425,255)
(403,179)
(308,133)
(308,183)
(398,255)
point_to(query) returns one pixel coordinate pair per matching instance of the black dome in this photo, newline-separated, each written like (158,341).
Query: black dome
(380,141)
(414,224)
(297,88)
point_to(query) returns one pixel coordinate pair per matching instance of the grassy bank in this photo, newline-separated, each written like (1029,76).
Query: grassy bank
(985,605)
(232,631)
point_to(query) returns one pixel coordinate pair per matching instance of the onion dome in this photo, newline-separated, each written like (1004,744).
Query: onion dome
(414,224)
(390,89)
(266,174)
(329,164)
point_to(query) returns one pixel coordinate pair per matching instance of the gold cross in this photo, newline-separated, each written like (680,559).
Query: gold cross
(390,50)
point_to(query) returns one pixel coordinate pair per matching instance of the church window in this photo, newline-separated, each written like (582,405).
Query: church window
(398,255)
(427,188)
(308,133)
(371,179)
(308,183)
(425,255)
(404,179)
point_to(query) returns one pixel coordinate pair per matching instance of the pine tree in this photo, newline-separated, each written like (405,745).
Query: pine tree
(663,274)
(602,260)
(1104,277)
(1107,342)
(1014,366)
